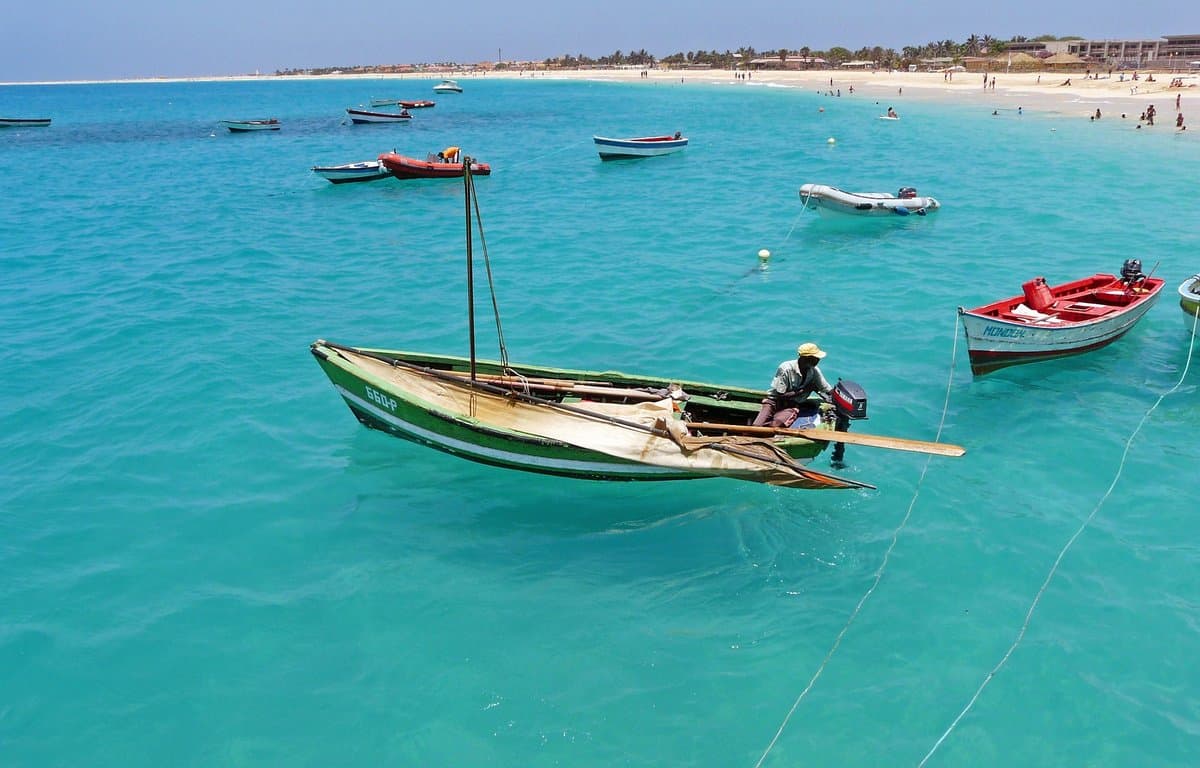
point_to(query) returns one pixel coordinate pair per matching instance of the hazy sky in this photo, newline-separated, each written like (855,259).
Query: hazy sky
(101,39)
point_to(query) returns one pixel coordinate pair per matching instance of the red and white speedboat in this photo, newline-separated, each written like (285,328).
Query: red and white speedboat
(432,167)
(1045,322)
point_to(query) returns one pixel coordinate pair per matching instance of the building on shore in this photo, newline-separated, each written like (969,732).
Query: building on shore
(1167,52)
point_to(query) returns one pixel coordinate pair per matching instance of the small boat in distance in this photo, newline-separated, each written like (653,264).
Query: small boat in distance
(368,170)
(826,199)
(245,126)
(362,116)
(432,167)
(448,86)
(644,146)
(418,104)
(24,122)
(1189,300)
(1045,322)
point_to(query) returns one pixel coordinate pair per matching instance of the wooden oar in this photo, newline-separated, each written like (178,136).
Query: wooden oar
(557,385)
(850,438)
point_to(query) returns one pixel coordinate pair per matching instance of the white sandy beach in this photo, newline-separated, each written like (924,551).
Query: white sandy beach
(1043,92)
(1036,91)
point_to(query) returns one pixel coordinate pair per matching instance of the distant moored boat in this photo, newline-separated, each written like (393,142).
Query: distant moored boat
(448,86)
(24,122)
(368,170)
(362,116)
(645,146)
(432,167)
(245,126)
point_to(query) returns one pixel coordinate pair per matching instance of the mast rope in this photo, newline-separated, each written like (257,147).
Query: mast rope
(882,565)
(1062,553)
(487,263)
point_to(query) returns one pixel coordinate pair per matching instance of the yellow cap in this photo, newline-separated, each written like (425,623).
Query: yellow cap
(808,349)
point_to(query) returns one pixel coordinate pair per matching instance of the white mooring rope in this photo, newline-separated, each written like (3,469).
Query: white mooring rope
(882,565)
(1062,553)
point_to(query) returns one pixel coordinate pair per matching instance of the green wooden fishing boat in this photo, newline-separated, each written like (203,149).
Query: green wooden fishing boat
(599,425)
(585,424)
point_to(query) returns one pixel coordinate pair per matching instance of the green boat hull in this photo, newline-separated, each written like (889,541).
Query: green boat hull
(380,405)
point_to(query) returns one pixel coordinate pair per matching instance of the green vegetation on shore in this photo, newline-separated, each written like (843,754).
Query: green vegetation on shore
(975,45)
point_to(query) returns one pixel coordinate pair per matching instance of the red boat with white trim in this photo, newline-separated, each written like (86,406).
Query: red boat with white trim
(433,167)
(1046,322)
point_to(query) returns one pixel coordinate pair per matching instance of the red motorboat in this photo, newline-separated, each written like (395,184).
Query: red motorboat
(1047,321)
(422,104)
(432,167)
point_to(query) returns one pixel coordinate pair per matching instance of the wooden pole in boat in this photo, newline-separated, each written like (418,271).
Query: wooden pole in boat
(850,438)
(468,191)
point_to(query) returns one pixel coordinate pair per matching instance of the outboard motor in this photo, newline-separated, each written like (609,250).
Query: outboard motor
(907,193)
(1131,271)
(849,402)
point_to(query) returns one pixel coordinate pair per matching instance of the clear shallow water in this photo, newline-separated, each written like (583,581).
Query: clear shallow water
(204,559)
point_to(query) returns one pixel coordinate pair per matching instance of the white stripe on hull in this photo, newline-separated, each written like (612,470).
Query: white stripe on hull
(508,457)
(1016,338)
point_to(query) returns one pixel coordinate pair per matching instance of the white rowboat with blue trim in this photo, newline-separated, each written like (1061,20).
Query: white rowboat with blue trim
(645,146)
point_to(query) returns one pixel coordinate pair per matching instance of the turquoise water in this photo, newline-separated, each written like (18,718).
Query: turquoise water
(205,560)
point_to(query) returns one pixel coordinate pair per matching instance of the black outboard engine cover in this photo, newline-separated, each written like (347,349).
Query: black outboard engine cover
(907,193)
(850,399)
(1131,271)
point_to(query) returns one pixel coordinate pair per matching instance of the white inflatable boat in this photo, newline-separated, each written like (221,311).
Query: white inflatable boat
(904,203)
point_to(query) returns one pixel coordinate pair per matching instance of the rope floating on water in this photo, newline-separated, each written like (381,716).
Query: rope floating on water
(882,565)
(1062,553)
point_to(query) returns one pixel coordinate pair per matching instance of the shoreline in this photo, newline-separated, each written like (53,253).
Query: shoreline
(1035,91)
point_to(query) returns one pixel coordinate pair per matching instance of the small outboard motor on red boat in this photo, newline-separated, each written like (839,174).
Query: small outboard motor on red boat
(849,402)
(907,193)
(1131,271)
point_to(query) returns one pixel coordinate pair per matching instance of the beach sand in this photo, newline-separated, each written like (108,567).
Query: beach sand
(1043,92)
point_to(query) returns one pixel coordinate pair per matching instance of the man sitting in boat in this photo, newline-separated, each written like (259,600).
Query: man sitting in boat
(449,155)
(794,381)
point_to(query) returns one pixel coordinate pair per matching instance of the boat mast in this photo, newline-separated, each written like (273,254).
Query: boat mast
(469,189)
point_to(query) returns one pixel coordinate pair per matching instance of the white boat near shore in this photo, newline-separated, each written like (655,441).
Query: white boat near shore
(826,199)
(368,170)
(362,116)
(247,126)
(645,146)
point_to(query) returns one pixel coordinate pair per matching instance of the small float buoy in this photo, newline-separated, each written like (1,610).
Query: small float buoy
(821,109)
(764,254)
(831,140)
